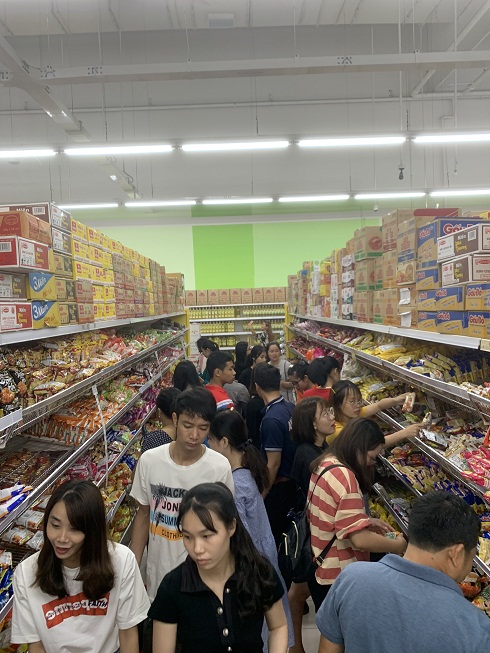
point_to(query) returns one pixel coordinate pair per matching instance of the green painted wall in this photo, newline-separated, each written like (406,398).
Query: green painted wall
(223,256)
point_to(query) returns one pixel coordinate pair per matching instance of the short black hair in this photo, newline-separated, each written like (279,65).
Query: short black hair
(441,519)
(299,369)
(320,369)
(185,375)
(217,361)
(166,400)
(196,402)
(206,343)
(267,377)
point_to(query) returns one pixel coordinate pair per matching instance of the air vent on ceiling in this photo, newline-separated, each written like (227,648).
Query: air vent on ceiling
(221,21)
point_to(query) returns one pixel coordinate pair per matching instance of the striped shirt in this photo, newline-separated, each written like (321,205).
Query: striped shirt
(337,507)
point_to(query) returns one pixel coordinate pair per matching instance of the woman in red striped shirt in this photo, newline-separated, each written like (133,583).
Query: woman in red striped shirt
(338,509)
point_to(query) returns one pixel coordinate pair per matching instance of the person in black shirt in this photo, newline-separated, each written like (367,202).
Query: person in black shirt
(216,600)
(165,407)
(313,420)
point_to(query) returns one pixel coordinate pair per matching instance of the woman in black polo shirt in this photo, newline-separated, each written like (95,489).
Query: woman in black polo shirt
(216,600)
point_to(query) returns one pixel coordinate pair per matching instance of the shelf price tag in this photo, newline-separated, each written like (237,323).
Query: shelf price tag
(485,345)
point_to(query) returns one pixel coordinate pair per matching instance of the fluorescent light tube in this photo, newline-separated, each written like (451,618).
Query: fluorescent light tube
(242,200)
(314,198)
(117,149)
(26,154)
(107,205)
(460,193)
(387,196)
(235,147)
(352,142)
(135,205)
(452,138)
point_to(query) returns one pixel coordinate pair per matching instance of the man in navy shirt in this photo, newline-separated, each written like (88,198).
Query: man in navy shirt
(418,606)
(277,445)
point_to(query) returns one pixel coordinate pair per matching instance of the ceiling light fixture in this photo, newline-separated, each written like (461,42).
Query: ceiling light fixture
(26,154)
(73,207)
(352,142)
(241,200)
(104,150)
(142,204)
(388,196)
(235,147)
(314,198)
(460,193)
(452,138)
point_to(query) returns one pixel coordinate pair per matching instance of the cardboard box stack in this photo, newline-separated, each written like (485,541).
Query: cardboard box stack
(368,252)
(56,271)
(230,296)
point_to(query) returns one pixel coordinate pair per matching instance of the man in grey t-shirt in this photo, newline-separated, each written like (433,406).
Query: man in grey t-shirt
(411,604)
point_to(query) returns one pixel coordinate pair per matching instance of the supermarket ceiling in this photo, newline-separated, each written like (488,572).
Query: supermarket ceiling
(91,71)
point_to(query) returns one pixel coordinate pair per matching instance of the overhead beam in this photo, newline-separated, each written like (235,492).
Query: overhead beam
(366,63)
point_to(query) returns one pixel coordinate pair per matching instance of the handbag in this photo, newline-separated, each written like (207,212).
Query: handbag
(296,560)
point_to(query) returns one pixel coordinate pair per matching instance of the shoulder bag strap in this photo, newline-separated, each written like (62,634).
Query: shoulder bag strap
(320,558)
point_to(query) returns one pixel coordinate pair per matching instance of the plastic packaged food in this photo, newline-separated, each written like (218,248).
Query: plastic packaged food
(409,403)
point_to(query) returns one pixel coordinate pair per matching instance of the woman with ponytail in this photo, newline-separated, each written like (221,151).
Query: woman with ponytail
(228,436)
(217,599)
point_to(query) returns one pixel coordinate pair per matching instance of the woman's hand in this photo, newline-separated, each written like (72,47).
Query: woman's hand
(412,431)
(401,398)
(380,526)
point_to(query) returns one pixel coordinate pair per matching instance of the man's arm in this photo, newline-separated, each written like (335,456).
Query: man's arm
(326,646)
(140,533)
(273,462)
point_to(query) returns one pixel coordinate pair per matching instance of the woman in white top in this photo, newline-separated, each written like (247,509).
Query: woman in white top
(274,358)
(80,593)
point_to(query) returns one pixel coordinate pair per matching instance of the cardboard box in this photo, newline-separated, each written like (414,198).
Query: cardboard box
(110,311)
(407,318)
(213,297)
(98,294)
(368,243)
(269,294)
(18,253)
(65,290)
(407,297)
(477,297)
(257,296)
(438,213)
(68,313)
(388,264)
(479,324)
(42,285)
(246,296)
(20,223)
(61,241)
(389,230)
(45,314)
(452,322)
(13,286)
(428,278)
(429,234)
(15,316)
(426,300)
(86,313)
(473,240)
(99,312)
(62,265)
(81,271)
(466,269)
(80,251)
(450,299)
(45,211)
(224,296)
(78,231)
(202,297)
(407,238)
(364,275)
(190,298)
(364,306)
(405,273)
(427,320)
(235,296)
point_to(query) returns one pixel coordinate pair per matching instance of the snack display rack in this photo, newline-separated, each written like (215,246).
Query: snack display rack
(13,427)
(447,392)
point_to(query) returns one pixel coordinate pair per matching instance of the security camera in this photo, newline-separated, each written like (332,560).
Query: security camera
(375,207)
(401,169)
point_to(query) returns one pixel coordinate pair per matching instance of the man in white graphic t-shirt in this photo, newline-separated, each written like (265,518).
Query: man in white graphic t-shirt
(162,477)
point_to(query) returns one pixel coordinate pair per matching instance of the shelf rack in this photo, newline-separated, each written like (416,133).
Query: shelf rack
(393,470)
(231,305)
(258,318)
(381,492)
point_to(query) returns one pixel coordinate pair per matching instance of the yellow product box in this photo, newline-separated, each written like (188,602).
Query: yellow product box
(99,312)
(450,299)
(62,265)
(452,322)
(99,274)
(116,247)
(136,270)
(149,285)
(151,309)
(41,285)
(94,236)
(105,242)
(68,313)
(98,256)
(79,231)
(427,320)
(109,294)
(98,292)
(144,272)
(106,260)
(110,311)
(108,276)
(127,253)
(81,270)
(426,300)
(45,314)
(80,251)
(479,324)
(477,297)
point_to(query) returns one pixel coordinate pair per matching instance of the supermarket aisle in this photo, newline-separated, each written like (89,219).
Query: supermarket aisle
(311,635)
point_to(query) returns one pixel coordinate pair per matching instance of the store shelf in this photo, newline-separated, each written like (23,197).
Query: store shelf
(483,567)
(381,492)
(399,476)
(257,318)
(416,334)
(65,463)
(113,509)
(191,308)
(29,335)
(227,333)
(126,536)
(47,406)
(7,607)
(297,353)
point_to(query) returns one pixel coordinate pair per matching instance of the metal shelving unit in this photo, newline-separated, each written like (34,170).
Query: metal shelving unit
(393,470)
(380,491)
(237,319)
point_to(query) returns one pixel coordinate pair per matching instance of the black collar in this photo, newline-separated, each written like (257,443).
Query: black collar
(192,582)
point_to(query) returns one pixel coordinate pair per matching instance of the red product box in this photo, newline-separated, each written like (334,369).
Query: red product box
(15,316)
(18,253)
